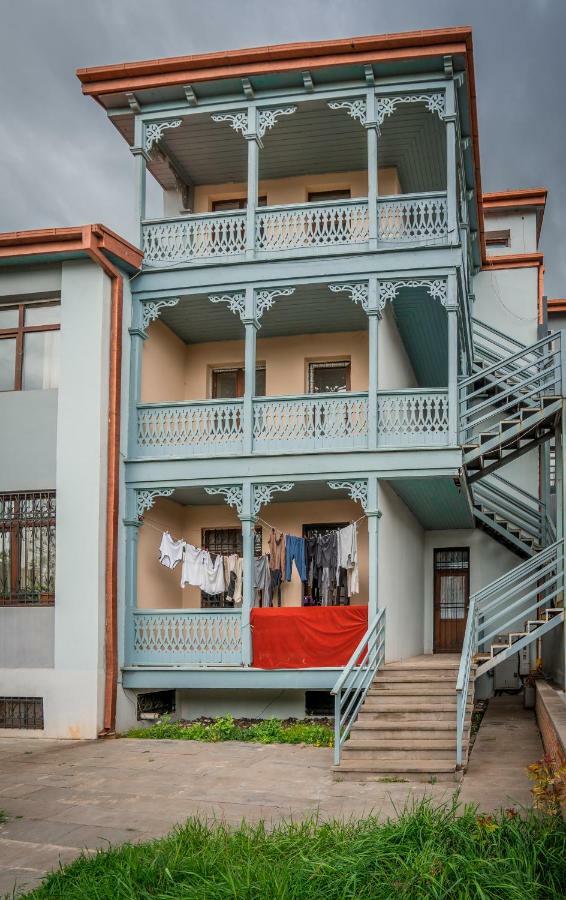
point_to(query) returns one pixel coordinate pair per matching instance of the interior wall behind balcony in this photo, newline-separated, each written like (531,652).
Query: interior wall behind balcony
(163,365)
(395,371)
(400,567)
(159,587)
(282,191)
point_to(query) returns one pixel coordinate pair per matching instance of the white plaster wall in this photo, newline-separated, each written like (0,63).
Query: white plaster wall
(488,561)
(507,300)
(75,710)
(26,637)
(523,231)
(400,575)
(28,425)
(39,281)
(394,368)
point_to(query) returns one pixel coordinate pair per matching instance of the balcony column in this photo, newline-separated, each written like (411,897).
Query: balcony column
(138,335)
(141,158)
(254,144)
(373,514)
(251,325)
(373,186)
(374,315)
(453,404)
(451,168)
(247,518)
(132,526)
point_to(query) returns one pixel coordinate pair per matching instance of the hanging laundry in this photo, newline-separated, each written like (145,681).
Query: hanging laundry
(170,551)
(326,564)
(213,574)
(194,563)
(262,579)
(233,569)
(276,563)
(348,556)
(295,553)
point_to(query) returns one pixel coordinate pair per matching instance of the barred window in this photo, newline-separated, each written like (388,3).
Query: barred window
(21,712)
(27,549)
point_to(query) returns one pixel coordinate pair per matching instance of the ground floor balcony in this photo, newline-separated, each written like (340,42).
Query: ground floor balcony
(307,423)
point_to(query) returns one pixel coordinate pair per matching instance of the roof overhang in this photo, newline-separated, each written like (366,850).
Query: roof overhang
(556,305)
(517,201)
(415,51)
(42,244)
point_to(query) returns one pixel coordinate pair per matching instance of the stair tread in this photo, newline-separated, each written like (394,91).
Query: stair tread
(389,765)
(400,725)
(401,744)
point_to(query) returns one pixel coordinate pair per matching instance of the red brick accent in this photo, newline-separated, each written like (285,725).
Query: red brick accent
(551,718)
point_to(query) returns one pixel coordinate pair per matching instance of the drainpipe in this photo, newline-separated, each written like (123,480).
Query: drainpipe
(91,237)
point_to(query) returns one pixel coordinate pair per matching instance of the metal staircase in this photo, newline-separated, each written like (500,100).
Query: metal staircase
(507,615)
(511,515)
(510,405)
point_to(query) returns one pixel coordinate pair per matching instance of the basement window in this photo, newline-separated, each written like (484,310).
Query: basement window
(21,712)
(154,705)
(319,703)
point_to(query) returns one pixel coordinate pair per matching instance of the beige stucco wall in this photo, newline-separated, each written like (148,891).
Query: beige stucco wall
(159,588)
(174,372)
(281,191)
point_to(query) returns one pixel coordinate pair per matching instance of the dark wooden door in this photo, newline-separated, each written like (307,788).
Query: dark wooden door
(451,598)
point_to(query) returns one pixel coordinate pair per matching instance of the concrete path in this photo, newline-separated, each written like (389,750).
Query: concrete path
(62,797)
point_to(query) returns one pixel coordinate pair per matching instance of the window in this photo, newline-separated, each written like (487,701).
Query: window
(500,238)
(27,549)
(29,346)
(236,203)
(21,712)
(153,705)
(329,377)
(228,383)
(225,541)
(312,595)
(552,466)
(321,196)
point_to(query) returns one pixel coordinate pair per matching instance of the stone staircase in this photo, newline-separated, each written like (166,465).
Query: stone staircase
(406,727)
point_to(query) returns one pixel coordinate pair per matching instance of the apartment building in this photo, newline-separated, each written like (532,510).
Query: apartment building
(334,335)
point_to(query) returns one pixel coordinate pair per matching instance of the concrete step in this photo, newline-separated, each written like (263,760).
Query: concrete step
(412,690)
(399,749)
(379,769)
(424,664)
(406,713)
(409,731)
(416,676)
(410,702)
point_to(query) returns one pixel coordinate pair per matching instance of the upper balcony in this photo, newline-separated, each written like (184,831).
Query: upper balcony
(304,178)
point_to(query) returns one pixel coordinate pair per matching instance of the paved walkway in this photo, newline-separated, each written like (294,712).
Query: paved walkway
(65,796)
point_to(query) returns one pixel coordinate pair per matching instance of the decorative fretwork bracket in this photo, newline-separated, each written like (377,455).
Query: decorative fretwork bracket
(262,493)
(436,288)
(151,309)
(265,298)
(236,302)
(154,132)
(232,493)
(357,109)
(357,490)
(266,119)
(145,498)
(385,106)
(359,293)
(238,120)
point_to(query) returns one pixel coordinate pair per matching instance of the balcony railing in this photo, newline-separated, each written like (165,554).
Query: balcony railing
(310,422)
(407,218)
(190,637)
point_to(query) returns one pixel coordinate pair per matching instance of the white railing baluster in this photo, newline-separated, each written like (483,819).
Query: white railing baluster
(187,637)
(413,217)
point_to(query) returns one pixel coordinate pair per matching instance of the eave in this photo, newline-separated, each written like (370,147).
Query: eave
(39,245)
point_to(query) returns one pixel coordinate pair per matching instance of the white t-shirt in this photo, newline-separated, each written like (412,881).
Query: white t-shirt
(170,551)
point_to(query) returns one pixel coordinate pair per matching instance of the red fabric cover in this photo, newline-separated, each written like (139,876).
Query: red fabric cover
(297,638)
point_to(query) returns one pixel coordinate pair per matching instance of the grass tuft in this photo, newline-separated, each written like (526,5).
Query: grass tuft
(267,731)
(427,852)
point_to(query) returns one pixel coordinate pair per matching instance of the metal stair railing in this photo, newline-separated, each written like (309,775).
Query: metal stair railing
(489,342)
(353,684)
(521,379)
(516,506)
(494,610)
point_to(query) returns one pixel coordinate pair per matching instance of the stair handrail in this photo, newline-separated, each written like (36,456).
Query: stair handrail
(519,572)
(501,334)
(532,348)
(354,682)
(463,679)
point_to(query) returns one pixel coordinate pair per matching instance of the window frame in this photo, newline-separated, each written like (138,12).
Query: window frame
(19,332)
(14,526)
(240,380)
(314,364)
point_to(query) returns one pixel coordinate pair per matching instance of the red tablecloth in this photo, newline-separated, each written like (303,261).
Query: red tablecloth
(297,638)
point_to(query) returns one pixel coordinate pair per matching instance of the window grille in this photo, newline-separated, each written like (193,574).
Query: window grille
(225,541)
(21,712)
(27,549)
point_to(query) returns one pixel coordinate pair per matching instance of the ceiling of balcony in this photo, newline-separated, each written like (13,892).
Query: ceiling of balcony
(436,502)
(314,140)
(422,324)
(302,492)
(312,309)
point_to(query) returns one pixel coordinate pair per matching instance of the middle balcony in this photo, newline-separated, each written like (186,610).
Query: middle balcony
(327,374)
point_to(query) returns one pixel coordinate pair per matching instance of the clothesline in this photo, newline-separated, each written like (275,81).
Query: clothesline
(163,527)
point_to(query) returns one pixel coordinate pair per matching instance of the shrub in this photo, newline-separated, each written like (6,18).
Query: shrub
(267,731)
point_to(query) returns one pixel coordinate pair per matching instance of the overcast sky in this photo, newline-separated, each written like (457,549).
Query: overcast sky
(64,164)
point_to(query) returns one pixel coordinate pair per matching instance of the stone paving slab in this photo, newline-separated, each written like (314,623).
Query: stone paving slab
(62,797)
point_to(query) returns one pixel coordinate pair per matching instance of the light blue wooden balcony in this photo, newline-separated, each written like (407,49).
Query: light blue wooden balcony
(307,423)
(406,220)
(189,637)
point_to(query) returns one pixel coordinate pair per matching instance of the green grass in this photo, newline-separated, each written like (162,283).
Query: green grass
(3,817)
(268,731)
(445,853)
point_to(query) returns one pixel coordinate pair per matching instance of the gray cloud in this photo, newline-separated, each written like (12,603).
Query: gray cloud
(62,163)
